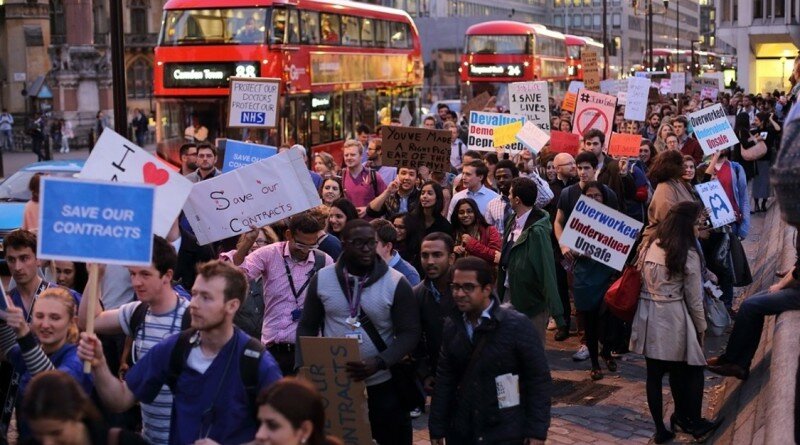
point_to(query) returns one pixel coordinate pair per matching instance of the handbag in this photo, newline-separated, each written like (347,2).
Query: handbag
(717,316)
(623,295)
(404,377)
(742,275)
(755,152)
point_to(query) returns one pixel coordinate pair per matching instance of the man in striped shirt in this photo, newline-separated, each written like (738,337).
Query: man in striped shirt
(164,317)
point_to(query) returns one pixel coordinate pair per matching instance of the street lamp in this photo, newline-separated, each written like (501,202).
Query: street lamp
(648,10)
(693,65)
(783,69)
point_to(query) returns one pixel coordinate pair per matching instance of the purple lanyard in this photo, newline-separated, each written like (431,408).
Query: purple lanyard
(354,303)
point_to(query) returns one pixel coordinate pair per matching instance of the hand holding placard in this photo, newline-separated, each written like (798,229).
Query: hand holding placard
(91,292)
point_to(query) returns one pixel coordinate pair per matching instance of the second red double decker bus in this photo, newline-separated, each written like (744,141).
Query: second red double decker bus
(499,52)
(575,47)
(341,64)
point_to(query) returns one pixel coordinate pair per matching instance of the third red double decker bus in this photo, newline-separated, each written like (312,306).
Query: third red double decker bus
(575,48)
(341,64)
(499,52)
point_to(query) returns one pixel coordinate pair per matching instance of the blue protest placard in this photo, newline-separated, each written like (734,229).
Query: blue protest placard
(93,221)
(238,154)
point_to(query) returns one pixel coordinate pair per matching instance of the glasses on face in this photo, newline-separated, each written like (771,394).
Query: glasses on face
(361,243)
(466,287)
(306,246)
(261,242)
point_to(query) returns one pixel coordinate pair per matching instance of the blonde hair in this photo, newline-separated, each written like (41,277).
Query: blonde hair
(63,296)
(353,143)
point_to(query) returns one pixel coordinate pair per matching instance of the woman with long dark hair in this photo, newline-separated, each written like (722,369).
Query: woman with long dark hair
(341,211)
(426,217)
(742,129)
(666,174)
(72,275)
(670,321)
(473,235)
(764,123)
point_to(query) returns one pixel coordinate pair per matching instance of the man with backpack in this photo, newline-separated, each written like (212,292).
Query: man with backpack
(158,312)
(285,268)
(361,184)
(214,369)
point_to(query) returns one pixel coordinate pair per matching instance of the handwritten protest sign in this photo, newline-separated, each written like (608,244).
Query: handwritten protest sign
(622,97)
(115,158)
(324,364)
(709,93)
(609,86)
(665,86)
(95,221)
(563,142)
(575,86)
(712,128)
(568,104)
(533,137)
(600,232)
(414,147)
(506,134)
(591,72)
(703,82)
(677,83)
(530,100)
(253,102)
(238,154)
(476,103)
(636,106)
(716,201)
(257,194)
(718,76)
(594,110)
(626,145)
(481,130)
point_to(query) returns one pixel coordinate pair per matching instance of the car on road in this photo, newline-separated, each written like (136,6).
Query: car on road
(14,194)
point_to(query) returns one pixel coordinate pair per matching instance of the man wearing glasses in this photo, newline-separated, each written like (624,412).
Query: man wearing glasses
(361,297)
(188,155)
(206,160)
(286,269)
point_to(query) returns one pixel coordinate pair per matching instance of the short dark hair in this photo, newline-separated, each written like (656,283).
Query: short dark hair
(474,264)
(509,164)
(363,128)
(594,133)
(443,237)
(480,168)
(586,156)
(20,239)
(235,280)
(355,224)
(526,190)
(490,158)
(431,118)
(207,146)
(384,230)
(304,223)
(474,154)
(442,106)
(185,147)
(164,256)
(682,119)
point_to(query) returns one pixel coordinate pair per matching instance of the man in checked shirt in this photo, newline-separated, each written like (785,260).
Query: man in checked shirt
(285,269)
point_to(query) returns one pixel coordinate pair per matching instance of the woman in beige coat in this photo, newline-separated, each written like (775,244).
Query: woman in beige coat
(666,175)
(670,320)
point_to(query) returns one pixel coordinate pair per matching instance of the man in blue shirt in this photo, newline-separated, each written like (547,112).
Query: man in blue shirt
(473,175)
(211,398)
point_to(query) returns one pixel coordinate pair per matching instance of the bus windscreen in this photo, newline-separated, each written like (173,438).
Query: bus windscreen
(214,26)
(497,45)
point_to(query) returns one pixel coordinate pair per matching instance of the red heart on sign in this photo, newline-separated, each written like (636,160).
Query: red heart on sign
(154,175)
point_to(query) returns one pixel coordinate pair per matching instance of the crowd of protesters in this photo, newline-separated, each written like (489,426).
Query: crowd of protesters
(450,280)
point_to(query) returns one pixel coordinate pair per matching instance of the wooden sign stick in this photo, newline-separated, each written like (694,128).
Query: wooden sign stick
(91,292)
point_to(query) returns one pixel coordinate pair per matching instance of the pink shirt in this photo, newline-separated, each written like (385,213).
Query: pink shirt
(279,302)
(359,189)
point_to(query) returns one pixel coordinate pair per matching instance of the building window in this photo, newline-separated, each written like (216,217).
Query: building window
(138,10)
(100,21)
(596,22)
(58,24)
(616,20)
(140,78)
(558,20)
(779,8)
(587,21)
(758,9)
(576,20)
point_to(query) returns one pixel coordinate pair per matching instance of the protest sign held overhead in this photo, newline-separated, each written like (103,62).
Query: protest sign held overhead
(714,198)
(626,145)
(677,83)
(591,72)
(531,100)
(636,105)
(477,103)
(594,110)
(345,402)
(238,154)
(414,147)
(481,130)
(709,93)
(609,86)
(506,134)
(253,102)
(258,194)
(601,233)
(533,137)
(703,82)
(712,129)
(563,142)
(115,158)
(622,98)
(95,221)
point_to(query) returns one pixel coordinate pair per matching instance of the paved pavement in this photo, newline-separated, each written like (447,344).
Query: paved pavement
(13,161)
(614,410)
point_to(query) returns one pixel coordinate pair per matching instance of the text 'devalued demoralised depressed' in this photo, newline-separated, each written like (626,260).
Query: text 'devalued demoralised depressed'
(254,195)
(94,221)
(600,232)
(253,102)
(324,365)
(414,147)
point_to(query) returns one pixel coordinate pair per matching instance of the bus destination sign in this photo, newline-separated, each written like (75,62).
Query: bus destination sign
(206,75)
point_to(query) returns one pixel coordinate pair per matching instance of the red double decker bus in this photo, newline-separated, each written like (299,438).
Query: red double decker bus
(499,52)
(575,47)
(341,64)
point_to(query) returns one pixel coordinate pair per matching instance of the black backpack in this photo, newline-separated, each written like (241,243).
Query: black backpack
(137,319)
(249,361)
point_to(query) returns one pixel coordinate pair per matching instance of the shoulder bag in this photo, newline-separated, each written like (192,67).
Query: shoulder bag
(755,152)
(623,295)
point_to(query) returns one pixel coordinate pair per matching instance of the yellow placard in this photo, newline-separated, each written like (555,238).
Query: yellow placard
(506,134)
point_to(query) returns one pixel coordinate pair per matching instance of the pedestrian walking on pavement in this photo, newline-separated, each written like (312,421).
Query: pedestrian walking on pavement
(670,321)
(6,131)
(67,133)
